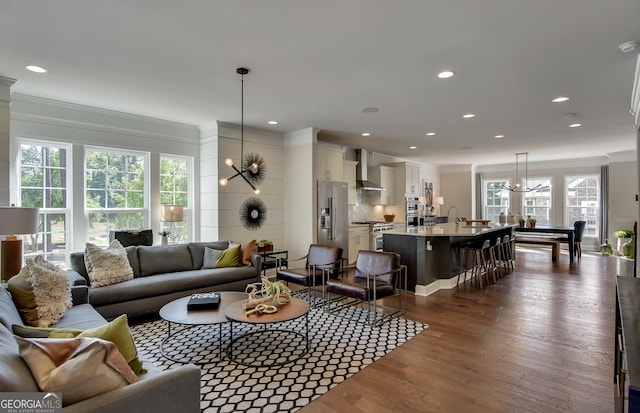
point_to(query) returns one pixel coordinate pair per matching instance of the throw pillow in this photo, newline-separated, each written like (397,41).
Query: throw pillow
(247,249)
(116,331)
(41,292)
(79,368)
(107,266)
(22,293)
(229,257)
(210,258)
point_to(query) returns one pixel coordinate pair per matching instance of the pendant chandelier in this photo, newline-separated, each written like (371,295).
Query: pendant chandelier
(518,187)
(252,166)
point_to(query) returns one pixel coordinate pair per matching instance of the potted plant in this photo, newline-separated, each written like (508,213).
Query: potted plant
(624,236)
(264,245)
(521,222)
(164,237)
(532,222)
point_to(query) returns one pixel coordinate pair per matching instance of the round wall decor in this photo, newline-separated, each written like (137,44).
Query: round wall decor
(253,213)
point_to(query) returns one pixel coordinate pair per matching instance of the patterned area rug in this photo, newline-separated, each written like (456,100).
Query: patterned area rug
(338,348)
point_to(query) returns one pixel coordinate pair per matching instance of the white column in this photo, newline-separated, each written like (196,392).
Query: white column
(5,147)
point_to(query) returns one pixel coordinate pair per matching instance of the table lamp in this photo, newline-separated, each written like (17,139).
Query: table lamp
(172,214)
(439,200)
(14,221)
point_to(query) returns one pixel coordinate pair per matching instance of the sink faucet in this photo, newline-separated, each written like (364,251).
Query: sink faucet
(457,213)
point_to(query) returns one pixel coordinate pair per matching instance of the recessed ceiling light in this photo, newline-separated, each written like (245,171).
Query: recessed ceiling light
(560,99)
(413,147)
(575,125)
(469,115)
(370,109)
(445,74)
(366,134)
(36,69)
(273,122)
(431,134)
(499,136)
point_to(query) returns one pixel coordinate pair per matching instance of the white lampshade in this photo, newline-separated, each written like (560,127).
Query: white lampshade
(18,220)
(172,213)
(438,200)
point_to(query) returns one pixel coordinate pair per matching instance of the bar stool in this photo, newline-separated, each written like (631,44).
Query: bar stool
(506,254)
(479,255)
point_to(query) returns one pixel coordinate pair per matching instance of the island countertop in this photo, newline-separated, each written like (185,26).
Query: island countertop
(449,230)
(432,253)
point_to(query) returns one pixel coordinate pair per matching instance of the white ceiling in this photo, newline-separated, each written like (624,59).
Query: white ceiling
(320,63)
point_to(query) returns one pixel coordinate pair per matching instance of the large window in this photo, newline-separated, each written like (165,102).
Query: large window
(496,199)
(175,182)
(537,203)
(115,188)
(583,202)
(44,183)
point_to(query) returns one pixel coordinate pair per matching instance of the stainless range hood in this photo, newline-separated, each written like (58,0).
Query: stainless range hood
(362,156)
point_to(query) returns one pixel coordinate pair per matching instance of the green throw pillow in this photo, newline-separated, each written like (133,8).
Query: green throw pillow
(22,293)
(229,257)
(116,331)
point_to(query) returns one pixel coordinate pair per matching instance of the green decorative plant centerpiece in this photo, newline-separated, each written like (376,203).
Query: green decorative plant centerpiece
(264,245)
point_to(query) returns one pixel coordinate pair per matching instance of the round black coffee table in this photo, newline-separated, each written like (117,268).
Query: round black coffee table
(176,312)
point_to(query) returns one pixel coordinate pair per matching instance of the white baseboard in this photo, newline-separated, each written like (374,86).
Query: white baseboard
(441,284)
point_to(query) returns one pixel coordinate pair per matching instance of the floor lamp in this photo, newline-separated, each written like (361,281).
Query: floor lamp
(14,221)
(172,214)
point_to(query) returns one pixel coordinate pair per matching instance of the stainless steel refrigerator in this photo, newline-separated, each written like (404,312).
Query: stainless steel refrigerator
(333,215)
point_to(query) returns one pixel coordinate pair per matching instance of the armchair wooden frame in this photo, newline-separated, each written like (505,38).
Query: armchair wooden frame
(374,317)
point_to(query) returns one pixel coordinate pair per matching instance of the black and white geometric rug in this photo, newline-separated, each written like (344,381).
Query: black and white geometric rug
(339,348)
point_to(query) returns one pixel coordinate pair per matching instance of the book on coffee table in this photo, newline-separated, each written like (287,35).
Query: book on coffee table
(203,301)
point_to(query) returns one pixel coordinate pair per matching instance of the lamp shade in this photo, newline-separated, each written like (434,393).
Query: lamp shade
(18,220)
(172,213)
(438,200)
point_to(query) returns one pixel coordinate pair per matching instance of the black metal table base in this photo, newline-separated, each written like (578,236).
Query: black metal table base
(184,331)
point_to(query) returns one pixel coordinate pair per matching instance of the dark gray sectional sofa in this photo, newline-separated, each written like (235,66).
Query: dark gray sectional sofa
(175,390)
(163,274)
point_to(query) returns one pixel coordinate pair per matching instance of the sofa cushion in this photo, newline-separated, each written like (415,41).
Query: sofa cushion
(9,314)
(162,259)
(210,258)
(80,368)
(197,250)
(247,249)
(41,292)
(79,266)
(107,266)
(161,284)
(14,373)
(116,331)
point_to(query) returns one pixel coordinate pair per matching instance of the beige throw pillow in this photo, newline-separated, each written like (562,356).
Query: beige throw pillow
(41,292)
(107,266)
(79,368)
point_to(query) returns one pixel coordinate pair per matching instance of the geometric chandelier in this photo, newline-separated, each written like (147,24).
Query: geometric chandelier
(518,187)
(253,168)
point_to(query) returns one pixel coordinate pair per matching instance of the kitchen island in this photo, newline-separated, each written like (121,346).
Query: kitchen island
(431,254)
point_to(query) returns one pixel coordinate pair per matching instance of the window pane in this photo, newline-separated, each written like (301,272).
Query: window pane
(583,202)
(43,184)
(175,174)
(538,202)
(495,198)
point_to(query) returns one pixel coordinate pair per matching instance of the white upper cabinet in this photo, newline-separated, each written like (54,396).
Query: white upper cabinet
(407,179)
(349,176)
(328,163)
(386,177)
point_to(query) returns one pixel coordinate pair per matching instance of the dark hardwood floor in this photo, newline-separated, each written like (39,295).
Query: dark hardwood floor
(539,340)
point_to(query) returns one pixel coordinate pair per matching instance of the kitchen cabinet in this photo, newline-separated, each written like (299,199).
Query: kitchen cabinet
(359,238)
(407,179)
(328,163)
(386,177)
(349,176)
(626,373)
